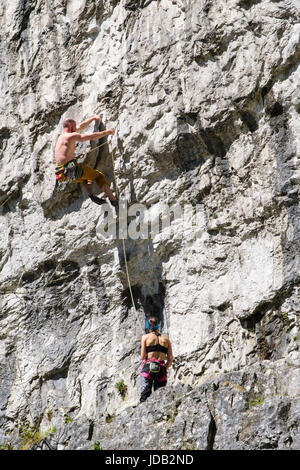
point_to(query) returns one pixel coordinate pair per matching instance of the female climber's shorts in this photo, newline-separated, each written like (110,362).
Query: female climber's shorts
(154,369)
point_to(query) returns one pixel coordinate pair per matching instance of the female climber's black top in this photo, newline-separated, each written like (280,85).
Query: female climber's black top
(157,347)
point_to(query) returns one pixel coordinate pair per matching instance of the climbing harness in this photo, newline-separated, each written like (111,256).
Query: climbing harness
(71,171)
(153,369)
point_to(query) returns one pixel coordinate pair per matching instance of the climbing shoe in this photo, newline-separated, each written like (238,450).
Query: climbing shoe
(97,200)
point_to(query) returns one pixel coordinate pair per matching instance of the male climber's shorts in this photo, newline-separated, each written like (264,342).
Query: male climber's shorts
(89,175)
(80,173)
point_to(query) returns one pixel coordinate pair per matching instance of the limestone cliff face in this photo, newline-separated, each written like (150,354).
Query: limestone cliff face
(205,99)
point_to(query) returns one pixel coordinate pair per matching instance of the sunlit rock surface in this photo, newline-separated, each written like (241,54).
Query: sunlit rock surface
(205,100)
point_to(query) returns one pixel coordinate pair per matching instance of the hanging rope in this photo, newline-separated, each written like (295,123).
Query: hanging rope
(123,240)
(124,246)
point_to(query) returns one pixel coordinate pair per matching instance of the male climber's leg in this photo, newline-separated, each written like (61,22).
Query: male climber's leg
(89,175)
(87,180)
(88,187)
(106,189)
(104,186)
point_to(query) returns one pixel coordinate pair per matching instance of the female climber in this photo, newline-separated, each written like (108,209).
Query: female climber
(155,347)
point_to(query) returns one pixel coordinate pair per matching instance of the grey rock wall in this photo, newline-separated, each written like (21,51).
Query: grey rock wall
(205,99)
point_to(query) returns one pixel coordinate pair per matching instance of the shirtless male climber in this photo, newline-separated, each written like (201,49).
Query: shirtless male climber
(68,169)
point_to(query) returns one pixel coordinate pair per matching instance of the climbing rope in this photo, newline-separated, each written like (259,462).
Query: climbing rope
(123,240)
(124,246)
(6,200)
(92,150)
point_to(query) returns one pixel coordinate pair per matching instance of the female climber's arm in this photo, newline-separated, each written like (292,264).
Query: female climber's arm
(143,348)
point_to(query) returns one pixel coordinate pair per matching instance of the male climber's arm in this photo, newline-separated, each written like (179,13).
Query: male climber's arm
(170,355)
(94,136)
(84,124)
(143,348)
